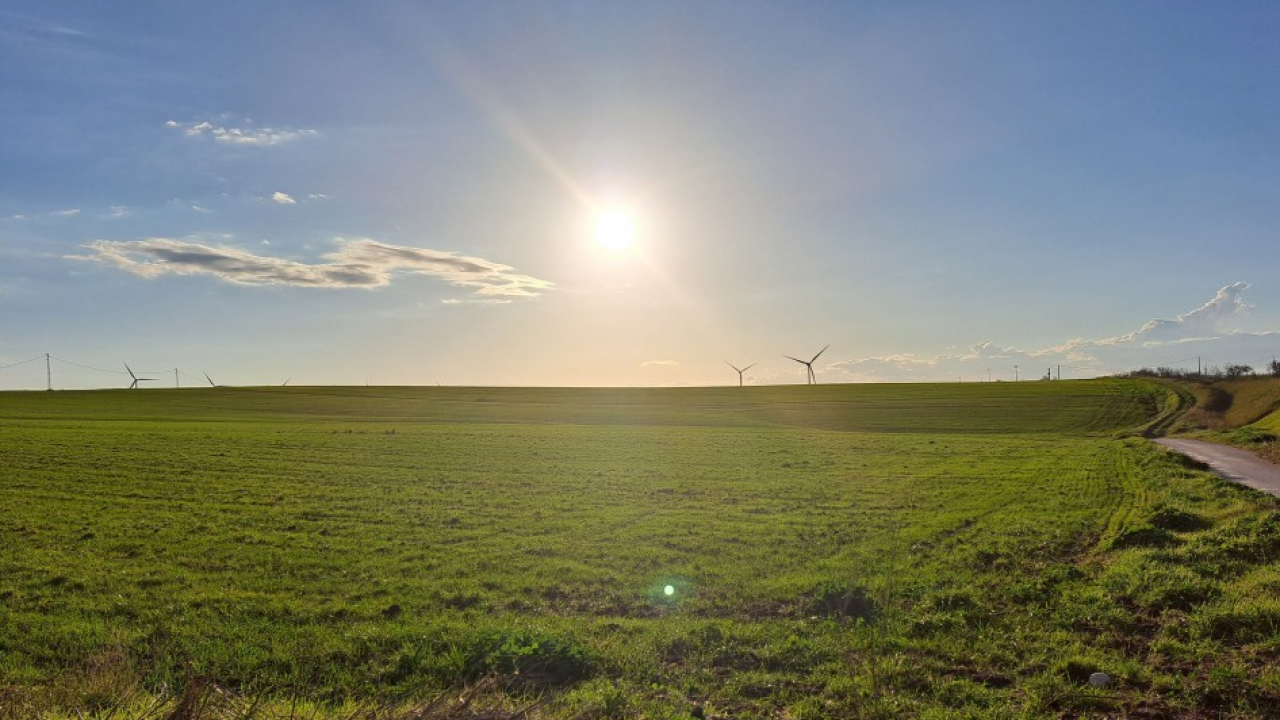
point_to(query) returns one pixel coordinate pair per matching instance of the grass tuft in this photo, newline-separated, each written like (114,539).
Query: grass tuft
(837,600)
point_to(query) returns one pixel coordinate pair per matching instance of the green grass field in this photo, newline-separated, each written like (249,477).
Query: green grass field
(936,551)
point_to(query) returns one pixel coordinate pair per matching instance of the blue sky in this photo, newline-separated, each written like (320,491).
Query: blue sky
(405,193)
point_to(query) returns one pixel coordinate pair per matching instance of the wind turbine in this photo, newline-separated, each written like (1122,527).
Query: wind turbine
(740,370)
(134,385)
(813,379)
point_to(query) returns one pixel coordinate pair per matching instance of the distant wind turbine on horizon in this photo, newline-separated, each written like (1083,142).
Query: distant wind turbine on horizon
(134,385)
(211,382)
(740,370)
(813,379)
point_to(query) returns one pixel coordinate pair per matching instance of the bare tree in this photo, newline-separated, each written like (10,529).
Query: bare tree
(1235,371)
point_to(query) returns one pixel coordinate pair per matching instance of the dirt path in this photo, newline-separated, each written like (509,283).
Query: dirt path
(1231,463)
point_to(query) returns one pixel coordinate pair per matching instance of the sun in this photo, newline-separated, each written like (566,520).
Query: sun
(615,229)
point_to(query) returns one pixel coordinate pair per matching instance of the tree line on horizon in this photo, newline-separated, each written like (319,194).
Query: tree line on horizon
(1230,371)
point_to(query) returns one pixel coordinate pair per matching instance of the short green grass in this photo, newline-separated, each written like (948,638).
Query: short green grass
(852,551)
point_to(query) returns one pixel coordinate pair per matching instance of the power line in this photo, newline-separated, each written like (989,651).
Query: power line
(89,367)
(24,362)
(189,376)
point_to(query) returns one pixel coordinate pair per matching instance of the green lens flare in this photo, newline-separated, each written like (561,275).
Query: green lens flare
(669,590)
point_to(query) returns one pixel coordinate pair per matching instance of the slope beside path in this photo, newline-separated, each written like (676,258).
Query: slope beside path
(1231,463)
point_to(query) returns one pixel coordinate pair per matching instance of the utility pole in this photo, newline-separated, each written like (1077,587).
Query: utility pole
(48,371)
(1198,370)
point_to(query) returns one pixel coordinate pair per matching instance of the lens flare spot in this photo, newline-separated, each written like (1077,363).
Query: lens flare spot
(669,590)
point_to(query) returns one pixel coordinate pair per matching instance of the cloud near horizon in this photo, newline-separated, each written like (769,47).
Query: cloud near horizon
(1207,333)
(1206,320)
(360,263)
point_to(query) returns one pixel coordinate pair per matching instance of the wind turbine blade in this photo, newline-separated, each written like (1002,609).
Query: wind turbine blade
(735,367)
(802,362)
(126,367)
(815,357)
(747,367)
(211,383)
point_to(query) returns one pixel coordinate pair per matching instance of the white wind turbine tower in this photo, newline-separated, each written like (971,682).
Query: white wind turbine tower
(740,370)
(813,379)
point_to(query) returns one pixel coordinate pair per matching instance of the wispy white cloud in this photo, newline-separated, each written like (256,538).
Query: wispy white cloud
(476,301)
(68,212)
(358,263)
(283,199)
(191,205)
(36,33)
(1208,334)
(660,363)
(247,136)
(66,31)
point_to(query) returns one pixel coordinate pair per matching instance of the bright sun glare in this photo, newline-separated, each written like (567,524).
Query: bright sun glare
(615,229)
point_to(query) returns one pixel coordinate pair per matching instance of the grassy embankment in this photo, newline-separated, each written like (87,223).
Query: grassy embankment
(1243,412)
(861,551)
